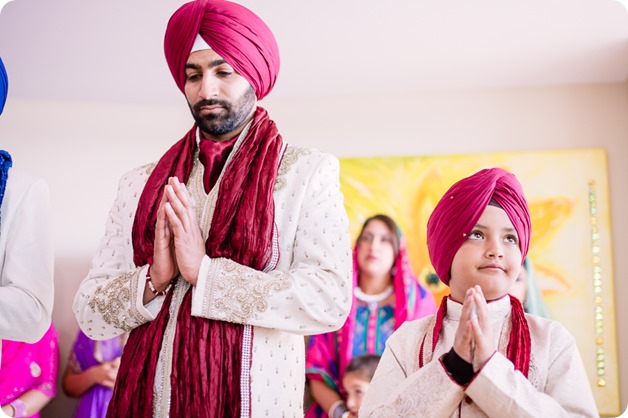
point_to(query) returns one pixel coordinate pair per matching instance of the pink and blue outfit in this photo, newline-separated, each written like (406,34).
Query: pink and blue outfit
(370,323)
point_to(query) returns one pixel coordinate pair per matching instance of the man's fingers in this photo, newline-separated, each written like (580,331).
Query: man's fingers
(183,212)
(173,219)
(185,199)
(181,191)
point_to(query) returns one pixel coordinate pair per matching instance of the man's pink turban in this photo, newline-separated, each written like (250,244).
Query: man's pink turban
(459,209)
(233,31)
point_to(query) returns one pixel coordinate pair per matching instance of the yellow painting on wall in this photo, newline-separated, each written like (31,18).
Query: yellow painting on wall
(570,249)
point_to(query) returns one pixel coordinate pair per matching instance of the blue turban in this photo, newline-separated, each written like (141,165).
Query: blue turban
(4,85)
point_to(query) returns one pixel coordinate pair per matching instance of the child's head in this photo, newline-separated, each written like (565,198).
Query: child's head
(357,379)
(479,233)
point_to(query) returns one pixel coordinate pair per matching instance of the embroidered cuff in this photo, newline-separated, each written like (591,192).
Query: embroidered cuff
(116,301)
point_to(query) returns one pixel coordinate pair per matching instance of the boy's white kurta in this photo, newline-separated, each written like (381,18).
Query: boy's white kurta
(26,259)
(307,293)
(557,385)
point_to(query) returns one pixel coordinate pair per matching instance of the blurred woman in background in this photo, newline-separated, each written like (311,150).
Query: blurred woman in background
(386,293)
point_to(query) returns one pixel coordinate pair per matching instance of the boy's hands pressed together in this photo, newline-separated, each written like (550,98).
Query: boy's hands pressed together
(474,341)
(483,336)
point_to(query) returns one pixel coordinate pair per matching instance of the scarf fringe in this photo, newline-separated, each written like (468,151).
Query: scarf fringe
(519,344)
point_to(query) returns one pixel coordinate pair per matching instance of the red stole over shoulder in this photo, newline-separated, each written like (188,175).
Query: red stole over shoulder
(207,354)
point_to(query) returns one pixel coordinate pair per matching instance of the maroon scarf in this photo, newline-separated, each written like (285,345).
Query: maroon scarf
(519,345)
(207,354)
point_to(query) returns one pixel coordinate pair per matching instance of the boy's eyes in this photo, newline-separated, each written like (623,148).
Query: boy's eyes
(358,393)
(512,239)
(476,235)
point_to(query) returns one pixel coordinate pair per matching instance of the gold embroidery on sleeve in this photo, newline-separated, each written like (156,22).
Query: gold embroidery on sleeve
(239,291)
(115,301)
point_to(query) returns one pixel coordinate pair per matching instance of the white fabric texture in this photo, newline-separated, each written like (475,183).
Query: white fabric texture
(308,292)
(557,385)
(26,259)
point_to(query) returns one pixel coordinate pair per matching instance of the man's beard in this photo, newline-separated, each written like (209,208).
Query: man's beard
(233,116)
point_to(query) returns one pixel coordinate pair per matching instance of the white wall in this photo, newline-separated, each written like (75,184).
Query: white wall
(82,149)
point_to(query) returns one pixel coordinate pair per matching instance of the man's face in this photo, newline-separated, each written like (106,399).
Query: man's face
(221,100)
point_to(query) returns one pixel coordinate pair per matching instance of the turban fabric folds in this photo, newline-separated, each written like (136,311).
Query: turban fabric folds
(4,85)
(462,205)
(236,34)
(449,226)
(5,163)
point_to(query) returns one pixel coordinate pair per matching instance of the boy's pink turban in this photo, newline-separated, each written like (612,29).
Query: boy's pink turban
(460,208)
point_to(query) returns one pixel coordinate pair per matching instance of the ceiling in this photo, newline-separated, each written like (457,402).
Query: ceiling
(111,51)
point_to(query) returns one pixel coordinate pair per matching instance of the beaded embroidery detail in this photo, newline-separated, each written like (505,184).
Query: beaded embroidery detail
(112,300)
(290,156)
(240,291)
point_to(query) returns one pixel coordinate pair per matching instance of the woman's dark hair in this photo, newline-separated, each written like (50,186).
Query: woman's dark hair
(390,224)
(363,365)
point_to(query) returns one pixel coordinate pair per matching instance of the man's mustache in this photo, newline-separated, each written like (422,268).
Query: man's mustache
(211,102)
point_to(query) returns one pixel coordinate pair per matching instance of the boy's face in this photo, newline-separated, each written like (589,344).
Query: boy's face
(355,385)
(490,257)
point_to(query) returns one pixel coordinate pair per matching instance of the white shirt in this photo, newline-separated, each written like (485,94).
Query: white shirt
(26,259)
(557,384)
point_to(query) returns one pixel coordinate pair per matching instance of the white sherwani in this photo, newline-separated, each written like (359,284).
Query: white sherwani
(557,385)
(308,292)
(26,259)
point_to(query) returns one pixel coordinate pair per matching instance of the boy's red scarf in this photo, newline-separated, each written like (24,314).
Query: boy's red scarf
(519,345)
(207,354)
